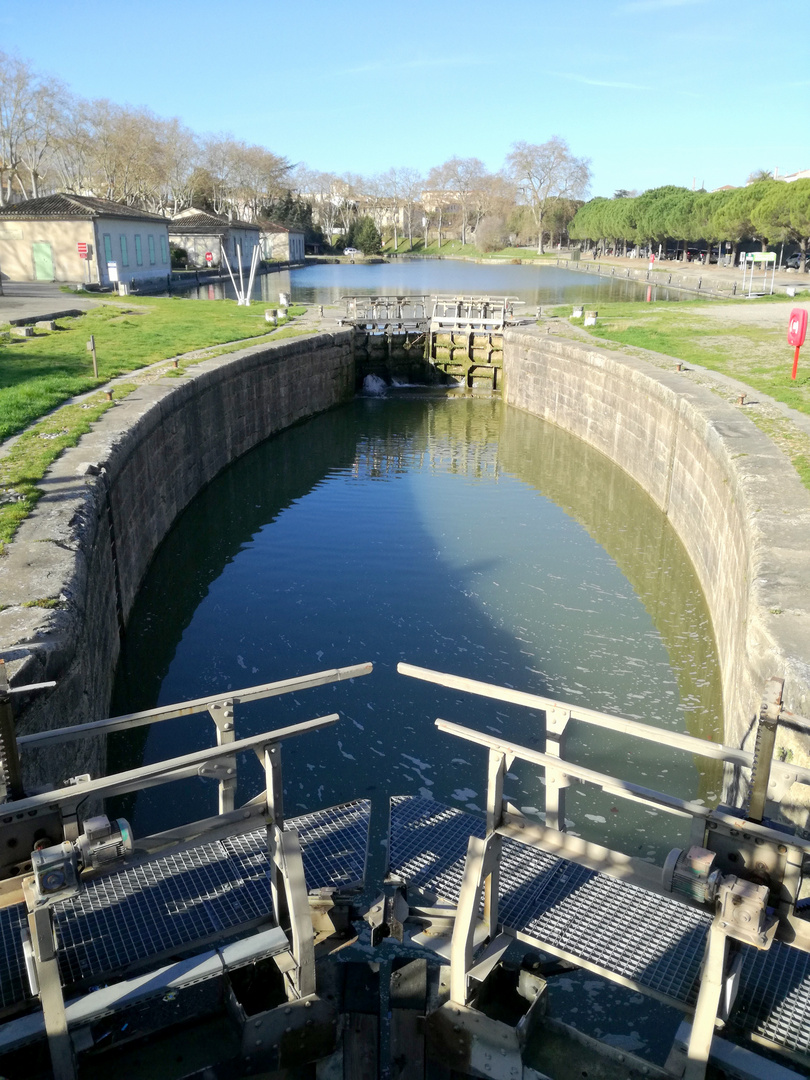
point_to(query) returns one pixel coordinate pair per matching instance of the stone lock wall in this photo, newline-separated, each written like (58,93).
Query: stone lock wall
(108,504)
(732,496)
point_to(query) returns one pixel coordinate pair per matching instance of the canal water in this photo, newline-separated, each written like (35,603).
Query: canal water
(535,285)
(454,533)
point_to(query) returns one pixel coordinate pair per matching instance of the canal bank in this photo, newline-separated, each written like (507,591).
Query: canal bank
(77,563)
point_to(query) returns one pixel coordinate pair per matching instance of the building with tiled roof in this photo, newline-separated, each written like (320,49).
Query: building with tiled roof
(82,239)
(201,234)
(281,243)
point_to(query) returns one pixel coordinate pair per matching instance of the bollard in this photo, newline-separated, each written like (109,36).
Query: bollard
(700,282)
(270,316)
(320,309)
(590,318)
(741,399)
(577,313)
(283,299)
(679,367)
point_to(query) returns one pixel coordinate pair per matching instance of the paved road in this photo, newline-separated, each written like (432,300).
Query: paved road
(38,300)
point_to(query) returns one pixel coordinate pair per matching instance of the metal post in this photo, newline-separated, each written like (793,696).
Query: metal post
(222,715)
(498,765)
(482,858)
(708,1002)
(556,779)
(300,932)
(11,779)
(40,927)
(275,825)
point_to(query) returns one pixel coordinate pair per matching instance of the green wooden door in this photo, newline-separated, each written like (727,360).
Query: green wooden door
(43,262)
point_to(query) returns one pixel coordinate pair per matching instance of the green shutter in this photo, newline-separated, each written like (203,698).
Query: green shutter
(107,248)
(151,240)
(138,251)
(124,254)
(164,250)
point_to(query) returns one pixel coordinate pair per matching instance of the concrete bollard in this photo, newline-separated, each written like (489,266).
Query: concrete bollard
(23,331)
(320,309)
(590,318)
(283,299)
(45,324)
(577,313)
(271,316)
(282,313)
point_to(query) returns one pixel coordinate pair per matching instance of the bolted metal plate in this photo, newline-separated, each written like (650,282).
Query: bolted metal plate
(290,1035)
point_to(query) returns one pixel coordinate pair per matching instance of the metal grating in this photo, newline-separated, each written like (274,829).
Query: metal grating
(774,997)
(14,982)
(174,900)
(622,928)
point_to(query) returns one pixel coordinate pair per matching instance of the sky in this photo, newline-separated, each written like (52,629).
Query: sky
(689,92)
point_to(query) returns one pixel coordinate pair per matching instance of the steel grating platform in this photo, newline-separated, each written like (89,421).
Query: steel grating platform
(625,930)
(170,902)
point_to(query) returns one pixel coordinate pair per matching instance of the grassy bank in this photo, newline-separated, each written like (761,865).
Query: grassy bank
(745,340)
(455,248)
(38,374)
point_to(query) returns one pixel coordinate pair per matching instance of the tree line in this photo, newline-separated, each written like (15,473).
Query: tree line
(766,211)
(53,140)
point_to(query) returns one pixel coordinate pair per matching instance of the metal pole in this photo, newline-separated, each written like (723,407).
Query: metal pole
(9,755)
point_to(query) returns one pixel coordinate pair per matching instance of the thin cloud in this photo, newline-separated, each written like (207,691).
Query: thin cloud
(603,82)
(655,5)
(408,65)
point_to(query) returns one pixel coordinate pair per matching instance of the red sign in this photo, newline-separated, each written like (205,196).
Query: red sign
(82,249)
(797,329)
(209,257)
(797,326)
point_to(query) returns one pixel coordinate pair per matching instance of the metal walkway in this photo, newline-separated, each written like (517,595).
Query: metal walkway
(172,902)
(613,928)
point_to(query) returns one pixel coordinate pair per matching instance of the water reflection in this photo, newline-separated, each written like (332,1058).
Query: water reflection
(455,534)
(534,285)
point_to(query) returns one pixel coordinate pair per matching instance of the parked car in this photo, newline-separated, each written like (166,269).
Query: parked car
(794,262)
(351,251)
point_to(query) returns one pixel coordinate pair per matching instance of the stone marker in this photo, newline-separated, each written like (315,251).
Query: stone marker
(23,331)
(576,313)
(590,318)
(270,315)
(46,324)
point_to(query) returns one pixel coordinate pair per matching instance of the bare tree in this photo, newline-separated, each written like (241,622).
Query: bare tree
(410,184)
(547,171)
(464,177)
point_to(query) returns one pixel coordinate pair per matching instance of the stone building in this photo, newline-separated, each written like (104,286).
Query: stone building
(79,238)
(199,232)
(281,243)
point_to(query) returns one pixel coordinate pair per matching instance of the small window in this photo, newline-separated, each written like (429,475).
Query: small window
(108,247)
(124,253)
(138,250)
(151,240)
(164,250)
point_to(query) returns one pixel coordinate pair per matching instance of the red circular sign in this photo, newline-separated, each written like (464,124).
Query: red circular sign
(209,257)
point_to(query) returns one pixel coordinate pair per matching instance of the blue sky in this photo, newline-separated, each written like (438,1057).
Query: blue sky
(652,91)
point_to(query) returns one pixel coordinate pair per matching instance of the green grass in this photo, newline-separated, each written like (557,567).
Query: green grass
(37,374)
(455,247)
(31,454)
(757,355)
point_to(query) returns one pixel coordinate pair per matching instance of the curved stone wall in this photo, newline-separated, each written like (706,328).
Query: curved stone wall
(109,502)
(731,495)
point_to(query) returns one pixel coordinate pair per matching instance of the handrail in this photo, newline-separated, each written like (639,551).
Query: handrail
(623,788)
(188,708)
(675,739)
(161,772)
